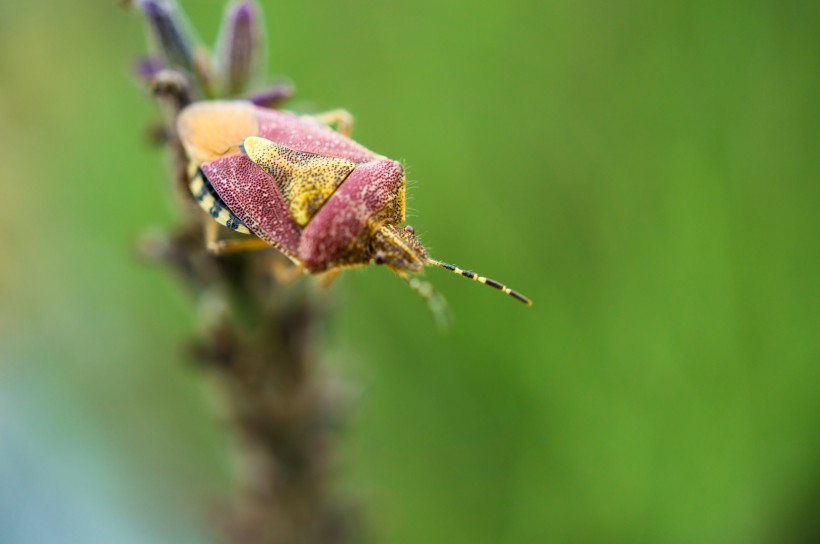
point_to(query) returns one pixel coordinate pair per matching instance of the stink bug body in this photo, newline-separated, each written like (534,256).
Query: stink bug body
(321,199)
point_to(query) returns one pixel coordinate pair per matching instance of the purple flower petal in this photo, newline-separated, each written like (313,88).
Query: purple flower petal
(168,33)
(240,48)
(273,96)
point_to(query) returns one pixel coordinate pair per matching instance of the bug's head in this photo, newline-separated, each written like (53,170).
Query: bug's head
(398,248)
(401,251)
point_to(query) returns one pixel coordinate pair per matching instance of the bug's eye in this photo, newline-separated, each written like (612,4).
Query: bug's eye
(379,258)
(410,229)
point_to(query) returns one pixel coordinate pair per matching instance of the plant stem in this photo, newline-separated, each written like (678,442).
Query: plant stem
(259,339)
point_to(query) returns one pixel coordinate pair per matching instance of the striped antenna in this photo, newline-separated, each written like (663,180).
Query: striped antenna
(481,279)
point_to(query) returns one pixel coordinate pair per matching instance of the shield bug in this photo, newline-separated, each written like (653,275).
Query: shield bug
(311,192)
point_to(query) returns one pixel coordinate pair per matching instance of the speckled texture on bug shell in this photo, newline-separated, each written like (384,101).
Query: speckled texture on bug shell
(305,180)
(304,134)
(212,129)
(253,197)
(373,193)
(370,187)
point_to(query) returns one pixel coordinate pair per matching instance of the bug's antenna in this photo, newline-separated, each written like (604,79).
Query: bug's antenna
(436,302)
(481,279)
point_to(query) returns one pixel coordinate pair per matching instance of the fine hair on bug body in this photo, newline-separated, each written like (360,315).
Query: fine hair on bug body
(295,184)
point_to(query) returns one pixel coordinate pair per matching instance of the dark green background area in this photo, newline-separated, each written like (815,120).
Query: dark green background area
(647,172)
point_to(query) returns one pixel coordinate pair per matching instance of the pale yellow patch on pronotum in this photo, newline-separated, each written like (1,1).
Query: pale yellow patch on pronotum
(306,180)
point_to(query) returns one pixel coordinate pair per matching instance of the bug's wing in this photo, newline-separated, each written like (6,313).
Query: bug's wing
(254,198)
(373,189)
(306,134)
(305,180)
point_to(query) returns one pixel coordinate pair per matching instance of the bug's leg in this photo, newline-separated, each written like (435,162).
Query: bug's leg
(327,279)
(223,247)
(286,273)
(436,302)
(341,120)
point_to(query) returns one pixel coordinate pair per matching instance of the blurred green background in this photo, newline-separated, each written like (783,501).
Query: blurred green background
(646,171)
